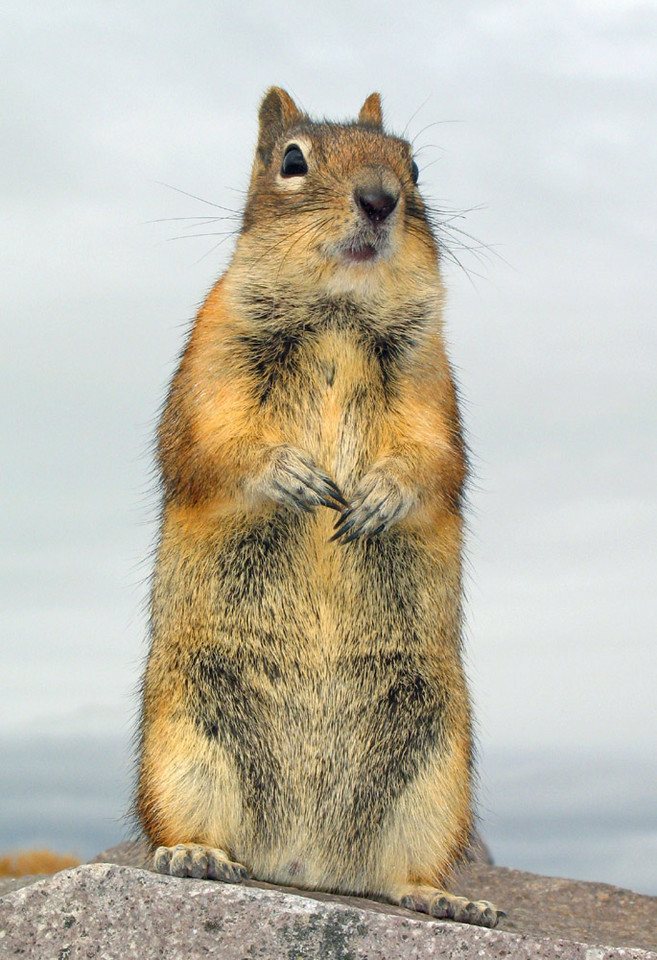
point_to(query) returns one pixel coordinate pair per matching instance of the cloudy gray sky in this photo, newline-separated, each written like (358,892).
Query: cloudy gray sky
(536,123)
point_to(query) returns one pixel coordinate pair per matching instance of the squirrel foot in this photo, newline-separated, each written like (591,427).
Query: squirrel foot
(442,905)
(196,860)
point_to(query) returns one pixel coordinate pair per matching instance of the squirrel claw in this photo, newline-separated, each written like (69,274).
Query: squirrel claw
(198,861)
(292,478)
(379,502)
(341,519)
(336,493)
(291,499)
(446,906)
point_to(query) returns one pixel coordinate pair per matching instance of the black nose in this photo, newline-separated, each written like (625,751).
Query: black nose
(376,204)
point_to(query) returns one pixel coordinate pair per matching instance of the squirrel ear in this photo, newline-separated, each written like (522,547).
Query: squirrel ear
(370,112)
(278,111)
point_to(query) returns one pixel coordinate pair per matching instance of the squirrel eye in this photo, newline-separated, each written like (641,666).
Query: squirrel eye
(415,173)
(294,163)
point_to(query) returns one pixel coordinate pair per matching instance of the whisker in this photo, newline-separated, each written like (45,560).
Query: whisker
(426,166)
(173,219)
(313,230)
(194,197)
(193,236)
(296,233)
(414,115)
(435,123)
(216,247)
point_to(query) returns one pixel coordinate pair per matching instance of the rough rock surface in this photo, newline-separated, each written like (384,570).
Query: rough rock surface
(595,913)
(117,911)
(109,911)
(7,884)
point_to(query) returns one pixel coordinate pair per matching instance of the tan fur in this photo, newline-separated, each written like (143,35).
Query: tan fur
(305,711)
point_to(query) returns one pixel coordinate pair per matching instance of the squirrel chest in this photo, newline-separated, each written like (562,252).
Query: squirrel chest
(327,372)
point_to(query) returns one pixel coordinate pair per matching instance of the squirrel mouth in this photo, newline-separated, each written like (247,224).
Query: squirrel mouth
(360,254)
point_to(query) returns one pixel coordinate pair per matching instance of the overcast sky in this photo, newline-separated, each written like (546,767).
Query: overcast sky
(537,123)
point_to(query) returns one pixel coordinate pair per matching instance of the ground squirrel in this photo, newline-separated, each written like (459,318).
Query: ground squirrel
(306,719)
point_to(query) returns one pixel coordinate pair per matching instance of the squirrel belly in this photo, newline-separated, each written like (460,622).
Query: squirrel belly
(305,713)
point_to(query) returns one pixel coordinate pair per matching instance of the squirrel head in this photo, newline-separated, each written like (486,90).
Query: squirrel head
(334,203)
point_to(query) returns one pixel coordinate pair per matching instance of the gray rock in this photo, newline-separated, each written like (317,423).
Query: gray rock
(536,906)
(109,911)
(7,884)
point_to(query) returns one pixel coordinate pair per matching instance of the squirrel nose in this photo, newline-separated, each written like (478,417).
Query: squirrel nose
(377,204)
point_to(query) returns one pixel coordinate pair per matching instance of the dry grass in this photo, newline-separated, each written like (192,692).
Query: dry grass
(35,861)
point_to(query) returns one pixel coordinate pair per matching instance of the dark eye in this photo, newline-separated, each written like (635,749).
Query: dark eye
(294,163)
(415,173)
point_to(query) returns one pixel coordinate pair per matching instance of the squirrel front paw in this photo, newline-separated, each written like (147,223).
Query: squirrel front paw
(292,478)
(381,499)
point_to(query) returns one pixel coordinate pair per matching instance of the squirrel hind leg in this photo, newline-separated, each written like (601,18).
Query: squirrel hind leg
(443,905)
(198,861)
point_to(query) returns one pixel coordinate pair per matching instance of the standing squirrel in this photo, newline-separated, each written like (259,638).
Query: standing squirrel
(306,719)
